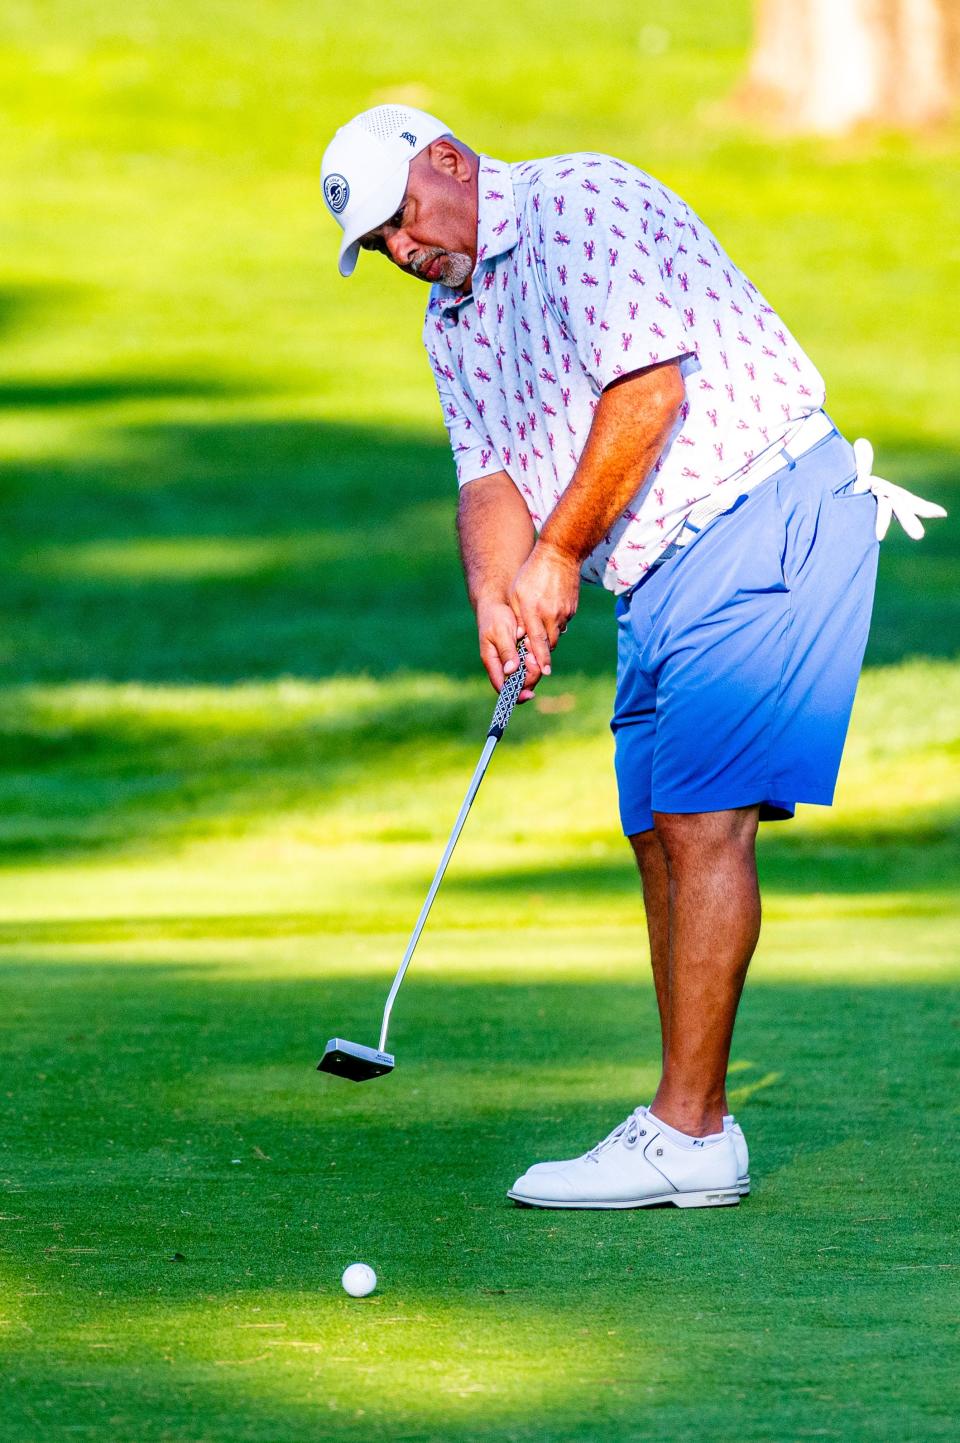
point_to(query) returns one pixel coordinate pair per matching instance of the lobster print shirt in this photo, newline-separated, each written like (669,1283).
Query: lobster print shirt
(588,269)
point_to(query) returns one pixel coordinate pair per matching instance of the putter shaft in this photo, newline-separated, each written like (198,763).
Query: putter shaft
(475,781)
(507,700)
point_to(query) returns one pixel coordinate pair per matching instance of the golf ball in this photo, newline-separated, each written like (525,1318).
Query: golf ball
(358,1280)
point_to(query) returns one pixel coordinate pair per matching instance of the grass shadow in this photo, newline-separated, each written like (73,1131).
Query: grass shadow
(920,855)
(30,303)
(220,551)
(107,390)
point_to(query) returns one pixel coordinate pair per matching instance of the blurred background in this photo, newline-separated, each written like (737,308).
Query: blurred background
(239,693)
(224,464)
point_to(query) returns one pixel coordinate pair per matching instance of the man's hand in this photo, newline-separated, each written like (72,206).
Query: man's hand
(499,632)
(545,594)
(521,586)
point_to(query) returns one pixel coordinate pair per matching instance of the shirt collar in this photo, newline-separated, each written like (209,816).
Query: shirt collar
(497,227)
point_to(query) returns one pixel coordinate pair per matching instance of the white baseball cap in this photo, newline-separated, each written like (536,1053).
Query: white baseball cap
(364,170)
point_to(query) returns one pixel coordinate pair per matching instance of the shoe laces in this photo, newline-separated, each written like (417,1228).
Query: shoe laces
(629,1132)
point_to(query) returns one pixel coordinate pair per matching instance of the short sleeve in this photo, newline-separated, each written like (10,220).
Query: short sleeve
(608,256)
(473,452)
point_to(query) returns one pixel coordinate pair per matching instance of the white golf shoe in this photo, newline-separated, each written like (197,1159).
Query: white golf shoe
(635,1166)
(730,1125)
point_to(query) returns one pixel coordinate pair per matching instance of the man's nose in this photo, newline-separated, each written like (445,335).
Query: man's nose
(400,247)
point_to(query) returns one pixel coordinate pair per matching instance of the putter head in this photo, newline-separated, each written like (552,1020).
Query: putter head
(351,1059)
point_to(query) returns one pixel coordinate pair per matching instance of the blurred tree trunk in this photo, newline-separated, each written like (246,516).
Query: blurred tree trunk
(827,65)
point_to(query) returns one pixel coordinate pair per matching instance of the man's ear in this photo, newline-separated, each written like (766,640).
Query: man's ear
(447,158)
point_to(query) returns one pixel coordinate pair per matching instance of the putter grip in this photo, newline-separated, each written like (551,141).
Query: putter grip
(507,699)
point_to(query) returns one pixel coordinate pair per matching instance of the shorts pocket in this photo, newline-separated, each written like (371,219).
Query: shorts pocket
(846,488)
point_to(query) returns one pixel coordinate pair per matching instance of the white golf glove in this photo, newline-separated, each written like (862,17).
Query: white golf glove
(891,500)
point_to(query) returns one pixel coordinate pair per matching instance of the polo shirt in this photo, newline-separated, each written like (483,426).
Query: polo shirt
(589,269)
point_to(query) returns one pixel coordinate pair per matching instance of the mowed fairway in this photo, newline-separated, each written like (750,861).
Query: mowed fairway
(239,705)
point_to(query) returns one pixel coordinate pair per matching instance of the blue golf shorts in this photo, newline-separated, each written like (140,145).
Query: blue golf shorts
(739,657)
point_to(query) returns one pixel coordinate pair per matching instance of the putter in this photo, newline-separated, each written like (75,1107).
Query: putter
(352,1059)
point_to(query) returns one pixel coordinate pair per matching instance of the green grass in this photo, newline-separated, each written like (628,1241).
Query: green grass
(239,704)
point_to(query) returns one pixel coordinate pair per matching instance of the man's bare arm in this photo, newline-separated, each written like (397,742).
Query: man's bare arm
(631,425)
(496,537)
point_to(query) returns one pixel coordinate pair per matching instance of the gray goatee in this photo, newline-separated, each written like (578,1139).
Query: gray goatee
(456,270)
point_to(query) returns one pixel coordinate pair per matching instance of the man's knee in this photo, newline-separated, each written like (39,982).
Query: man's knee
(647,846)
(696,836)
(650,855)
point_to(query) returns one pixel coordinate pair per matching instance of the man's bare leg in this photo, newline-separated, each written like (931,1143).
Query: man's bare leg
(708,870)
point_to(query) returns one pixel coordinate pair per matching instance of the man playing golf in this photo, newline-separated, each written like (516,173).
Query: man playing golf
(625,408)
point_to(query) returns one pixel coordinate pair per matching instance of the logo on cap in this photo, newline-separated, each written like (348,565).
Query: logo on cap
(336,192)
(405,135)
